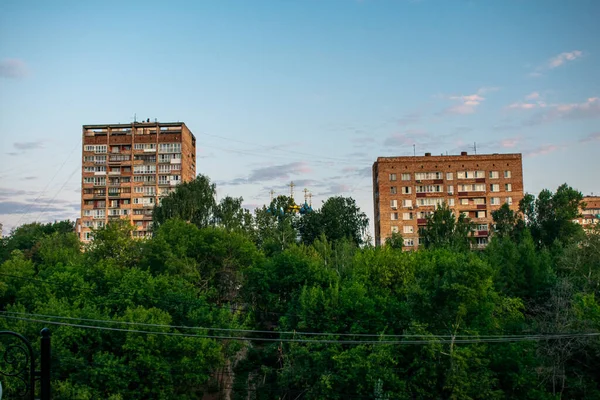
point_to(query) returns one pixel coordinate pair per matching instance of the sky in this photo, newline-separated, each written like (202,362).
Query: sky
(306,91)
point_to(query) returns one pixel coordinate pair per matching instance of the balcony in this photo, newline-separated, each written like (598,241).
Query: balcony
(114,172)
(481,206)
(100,173)
(175,160)
(421,221)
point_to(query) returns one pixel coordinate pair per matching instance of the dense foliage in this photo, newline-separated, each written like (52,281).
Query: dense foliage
(445,321)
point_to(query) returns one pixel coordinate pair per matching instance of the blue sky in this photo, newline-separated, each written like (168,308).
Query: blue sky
(310,91)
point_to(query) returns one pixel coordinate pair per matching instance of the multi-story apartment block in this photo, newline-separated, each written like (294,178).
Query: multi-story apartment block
(127,168)
(407,189)
(590,213)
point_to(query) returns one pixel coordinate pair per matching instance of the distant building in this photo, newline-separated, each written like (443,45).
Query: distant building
(590,213)
(127,168)
(407,189)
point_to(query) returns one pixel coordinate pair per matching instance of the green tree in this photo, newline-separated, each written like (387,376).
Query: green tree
(444,230)
(507,223)
(275,225)
(230,215)
(193,202)
(395,241)
(338,218)
(550,216)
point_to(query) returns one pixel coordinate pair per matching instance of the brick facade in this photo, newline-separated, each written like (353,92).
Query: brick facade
(406,189)
(127,168)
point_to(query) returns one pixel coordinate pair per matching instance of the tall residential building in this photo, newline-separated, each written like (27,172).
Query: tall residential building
(590,213)
(127,168)
(407,189)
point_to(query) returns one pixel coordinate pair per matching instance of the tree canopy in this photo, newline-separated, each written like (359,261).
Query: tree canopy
(261,307)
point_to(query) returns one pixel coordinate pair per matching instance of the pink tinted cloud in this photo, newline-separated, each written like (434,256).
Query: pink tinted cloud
(590,138)
(532,96)
(13,68)
(509,143)
(542,150)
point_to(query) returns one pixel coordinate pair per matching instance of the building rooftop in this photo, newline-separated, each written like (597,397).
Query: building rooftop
(449,157)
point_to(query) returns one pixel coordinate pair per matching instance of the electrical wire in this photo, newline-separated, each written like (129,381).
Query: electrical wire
(252,330)
(322,341)
(25,211)
(56,194)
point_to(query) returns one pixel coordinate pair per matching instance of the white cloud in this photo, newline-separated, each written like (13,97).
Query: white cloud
(532,96)
(562,58)
(467,104)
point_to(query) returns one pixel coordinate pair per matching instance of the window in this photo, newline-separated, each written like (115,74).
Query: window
(406,203)
(464,202)
(89,147)
(450,189)
(392,177)
(465,214)
(144,146)
(394,229)
(430,201)
(507,174)
(410,242)
(394,204)
(494,175)
(479,200)
(494,187)
(479,174)
(165,158)
(460,175)
(394,216)
(428,175)
(169,148)
(508,201)
(163,179)
(144,169)
(480,214)
(449,176)
(429,188)
(392,189)
(508,187)
(495,201)
(101,149)
(451,202)
(164,168)
(143,200)
(407,216)
(481,241)
(482,227)
(408,229)
(479,187)
(406,190)
(406,177)
(424,214)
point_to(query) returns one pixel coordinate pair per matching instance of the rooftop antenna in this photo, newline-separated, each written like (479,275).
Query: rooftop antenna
(134,117)
(414,151)
(475,147)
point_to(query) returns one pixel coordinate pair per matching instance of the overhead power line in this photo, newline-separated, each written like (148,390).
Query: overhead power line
(473,340)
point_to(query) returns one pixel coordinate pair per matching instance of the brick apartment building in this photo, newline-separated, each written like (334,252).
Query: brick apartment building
(590,214)
(407,189)
(127,168)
